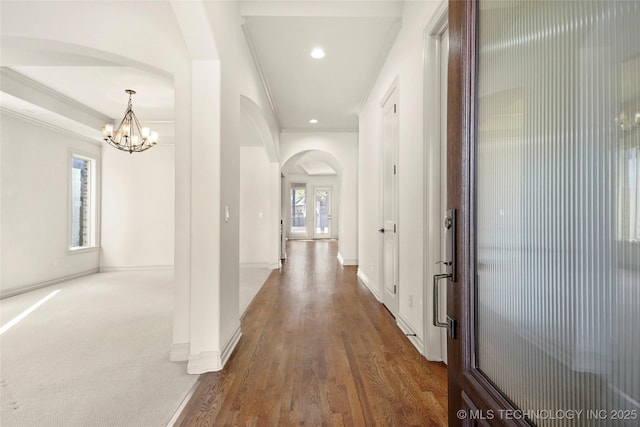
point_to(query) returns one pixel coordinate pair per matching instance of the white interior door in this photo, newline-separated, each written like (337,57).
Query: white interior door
(436,70)
(444,54)
(390,203)
(322,213)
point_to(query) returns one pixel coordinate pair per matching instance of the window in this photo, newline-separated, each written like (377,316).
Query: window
(82,202)
(298,208)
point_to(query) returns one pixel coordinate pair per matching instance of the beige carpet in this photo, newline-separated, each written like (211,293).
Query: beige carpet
(94,354)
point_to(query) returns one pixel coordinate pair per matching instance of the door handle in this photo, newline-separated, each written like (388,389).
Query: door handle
(450,324)
(381,230)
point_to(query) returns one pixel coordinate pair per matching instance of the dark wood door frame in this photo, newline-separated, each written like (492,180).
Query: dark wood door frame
(469,389)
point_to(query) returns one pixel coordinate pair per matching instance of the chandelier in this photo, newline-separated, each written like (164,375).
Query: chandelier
(130,136)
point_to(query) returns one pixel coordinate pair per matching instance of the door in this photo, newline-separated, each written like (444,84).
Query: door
(544,132)
(298,210)
(389,228)
(322,213)
(444,54)
(435,87)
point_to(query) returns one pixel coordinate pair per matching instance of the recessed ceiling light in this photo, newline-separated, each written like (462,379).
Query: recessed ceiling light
(313,121)
(317,53)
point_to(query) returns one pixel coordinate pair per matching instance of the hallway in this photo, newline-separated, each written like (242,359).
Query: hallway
(317,348)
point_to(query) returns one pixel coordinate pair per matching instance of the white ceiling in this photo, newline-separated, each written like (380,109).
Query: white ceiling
(330,89)
(356,36)
(103,89)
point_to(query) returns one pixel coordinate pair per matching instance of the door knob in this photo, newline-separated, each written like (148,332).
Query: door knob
(381,230)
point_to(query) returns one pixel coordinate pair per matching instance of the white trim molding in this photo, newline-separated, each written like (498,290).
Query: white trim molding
(263,265)
(23,87)
(136,268)
(346,261)
(207,361)
(365,280)
(263,79)
(405,327)
(32,287)
(433,337)
(392,35)
(275,265)
(50,126)
(227,351)
(179,352)
(213,361)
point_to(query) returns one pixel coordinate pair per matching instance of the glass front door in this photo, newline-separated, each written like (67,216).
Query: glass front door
(545,179)
(322,211)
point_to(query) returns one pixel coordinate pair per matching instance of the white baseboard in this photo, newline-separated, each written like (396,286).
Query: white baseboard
(363,277)
(38,285)
(275,265)
(213,361)
(227,351)
(207,361)
(299,237)
(346,261)
(405,327)
(104,269)
(263,265)
(179,352)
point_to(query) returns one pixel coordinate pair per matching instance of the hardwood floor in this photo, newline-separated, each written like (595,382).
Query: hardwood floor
(318,349)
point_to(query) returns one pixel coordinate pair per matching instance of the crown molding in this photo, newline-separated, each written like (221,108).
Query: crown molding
(263,79)
(392,34)
(41,123)
(7,75)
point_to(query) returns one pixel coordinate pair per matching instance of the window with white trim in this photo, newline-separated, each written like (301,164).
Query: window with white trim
(82,202)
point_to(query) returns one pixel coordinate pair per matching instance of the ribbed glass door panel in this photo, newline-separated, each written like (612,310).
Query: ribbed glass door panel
(558,207)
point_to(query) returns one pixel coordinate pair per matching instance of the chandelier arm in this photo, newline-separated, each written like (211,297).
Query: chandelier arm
(124,118)
(138,125)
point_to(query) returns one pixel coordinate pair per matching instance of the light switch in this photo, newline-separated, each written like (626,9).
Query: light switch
(226,214)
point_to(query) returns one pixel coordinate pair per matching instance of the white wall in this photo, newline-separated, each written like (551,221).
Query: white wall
(138,208)
(238,78)
(343,146)
(259,199)
(36,206)
(404,63)
(259,189)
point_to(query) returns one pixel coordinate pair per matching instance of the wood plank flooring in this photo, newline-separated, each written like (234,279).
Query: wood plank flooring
(318,349)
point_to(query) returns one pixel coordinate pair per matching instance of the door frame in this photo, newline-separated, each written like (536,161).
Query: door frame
(469,389)
(391,94)
(434,338)
(289,219)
